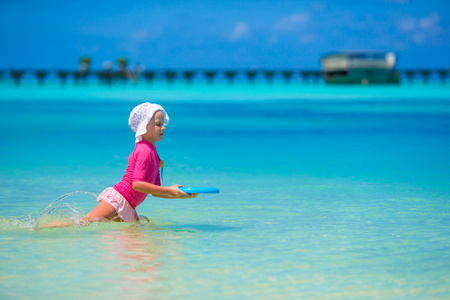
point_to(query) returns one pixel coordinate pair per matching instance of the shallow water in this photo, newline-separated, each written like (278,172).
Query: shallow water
(321,197)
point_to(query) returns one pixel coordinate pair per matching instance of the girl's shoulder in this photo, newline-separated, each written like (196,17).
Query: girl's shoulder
(144,147)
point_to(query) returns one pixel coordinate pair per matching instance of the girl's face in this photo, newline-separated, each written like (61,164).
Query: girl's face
(155,128)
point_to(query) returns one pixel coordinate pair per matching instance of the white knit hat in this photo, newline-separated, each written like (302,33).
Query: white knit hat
(141,115)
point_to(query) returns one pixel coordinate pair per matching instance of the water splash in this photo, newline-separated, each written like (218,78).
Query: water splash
(64,209)
(14,223)
(59,210)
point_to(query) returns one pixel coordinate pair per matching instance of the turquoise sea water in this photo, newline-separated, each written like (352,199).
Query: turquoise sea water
(326,193)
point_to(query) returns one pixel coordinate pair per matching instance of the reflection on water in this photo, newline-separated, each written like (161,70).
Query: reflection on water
(132,251)
(138,254)
(144,254)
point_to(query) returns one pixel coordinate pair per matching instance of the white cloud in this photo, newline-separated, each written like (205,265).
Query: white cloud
(307,38)
(430,22)
(240,31)
(294,26)
(427,23)
(422,29)
(293,22)
(139,35)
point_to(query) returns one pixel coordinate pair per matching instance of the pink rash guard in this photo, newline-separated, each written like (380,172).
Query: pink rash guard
(143,165)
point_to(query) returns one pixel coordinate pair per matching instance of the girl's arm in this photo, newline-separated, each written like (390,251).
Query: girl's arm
(161,191)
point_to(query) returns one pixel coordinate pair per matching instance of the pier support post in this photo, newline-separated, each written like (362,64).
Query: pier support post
(230,76)
(316,76)
(80,76)
(287,75)
(210,75)
(305,76)
(409,76)
(41,76)
(269,74)
(149,76)
(443,75)
(170,76)
(188,76)
(105,77)
(251,75)
(63,76)
(425,75)
(17,75)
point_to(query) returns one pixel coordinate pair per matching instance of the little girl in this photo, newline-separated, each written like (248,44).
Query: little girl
(118,203)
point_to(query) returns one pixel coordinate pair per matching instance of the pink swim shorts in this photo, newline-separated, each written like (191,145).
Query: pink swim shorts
(120,204)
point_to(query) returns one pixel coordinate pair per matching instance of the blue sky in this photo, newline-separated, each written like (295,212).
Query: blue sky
(220,34)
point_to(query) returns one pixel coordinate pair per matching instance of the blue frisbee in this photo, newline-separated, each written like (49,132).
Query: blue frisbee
(194,190)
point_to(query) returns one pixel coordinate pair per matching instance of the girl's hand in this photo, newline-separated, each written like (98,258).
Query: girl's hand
(193,195)
(177,193)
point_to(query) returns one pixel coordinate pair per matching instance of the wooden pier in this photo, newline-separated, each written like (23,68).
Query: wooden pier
(108,77)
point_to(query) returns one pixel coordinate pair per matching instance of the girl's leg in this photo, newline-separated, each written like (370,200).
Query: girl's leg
(102,212)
